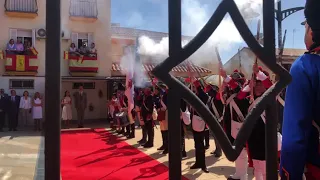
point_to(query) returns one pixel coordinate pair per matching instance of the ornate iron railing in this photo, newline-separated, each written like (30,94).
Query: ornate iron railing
(27,6)
(84,8)
(178,91)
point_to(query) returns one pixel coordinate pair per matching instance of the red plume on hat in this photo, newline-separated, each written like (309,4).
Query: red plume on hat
(196,83)
(236,70)
(260,68)
(207,88)
(188,80)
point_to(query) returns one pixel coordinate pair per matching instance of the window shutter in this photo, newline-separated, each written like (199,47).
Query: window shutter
(34,37)
(74,39)
(13,34)
(90,39)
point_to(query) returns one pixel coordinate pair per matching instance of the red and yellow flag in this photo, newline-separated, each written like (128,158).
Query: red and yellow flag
(34,51)
(20,63)
(66,55)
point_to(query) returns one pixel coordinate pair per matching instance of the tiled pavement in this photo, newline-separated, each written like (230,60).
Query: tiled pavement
(19,153)
(22,157)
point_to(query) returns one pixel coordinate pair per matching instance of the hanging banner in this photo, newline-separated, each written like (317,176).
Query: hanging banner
(20,62)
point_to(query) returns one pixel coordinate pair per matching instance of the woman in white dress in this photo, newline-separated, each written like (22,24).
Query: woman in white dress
(37,111)
(66,104)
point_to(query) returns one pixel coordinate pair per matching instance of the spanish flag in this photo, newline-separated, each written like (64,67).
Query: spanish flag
(20,63)
(34,51)
(66,55)
(1,54)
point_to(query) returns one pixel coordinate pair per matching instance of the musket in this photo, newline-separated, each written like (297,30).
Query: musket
(282,47)
(220,80)
(255,63)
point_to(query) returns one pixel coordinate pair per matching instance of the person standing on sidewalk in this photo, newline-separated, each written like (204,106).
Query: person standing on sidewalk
(80,99)
(3,104)
(13,110)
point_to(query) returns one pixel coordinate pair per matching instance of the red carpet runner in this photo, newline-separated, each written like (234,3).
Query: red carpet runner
(99,155)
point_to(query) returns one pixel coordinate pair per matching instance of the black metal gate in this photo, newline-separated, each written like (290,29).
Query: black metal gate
(177,91)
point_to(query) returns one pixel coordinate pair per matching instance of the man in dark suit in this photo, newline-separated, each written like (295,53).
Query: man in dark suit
(80,99)
(13,110)
(3,108)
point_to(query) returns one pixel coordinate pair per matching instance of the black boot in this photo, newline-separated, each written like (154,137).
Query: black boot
(162,147)
(183,147)
(127,131)
(165,142)
(150,132)
(132,131)
(144,135)
(206,139)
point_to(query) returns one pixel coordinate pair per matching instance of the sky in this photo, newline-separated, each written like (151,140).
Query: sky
(153,15)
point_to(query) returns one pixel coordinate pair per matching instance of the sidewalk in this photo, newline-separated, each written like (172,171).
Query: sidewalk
(19,155)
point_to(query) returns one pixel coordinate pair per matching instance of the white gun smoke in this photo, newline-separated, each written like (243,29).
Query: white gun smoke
(194,16)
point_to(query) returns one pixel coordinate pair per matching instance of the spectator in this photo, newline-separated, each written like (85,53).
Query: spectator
(25,106)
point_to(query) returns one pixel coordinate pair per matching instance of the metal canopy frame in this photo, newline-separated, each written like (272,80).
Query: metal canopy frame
(177,90)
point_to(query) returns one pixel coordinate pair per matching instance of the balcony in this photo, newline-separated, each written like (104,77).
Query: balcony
(81,65)
(21,8)
(20,64)
(84,10)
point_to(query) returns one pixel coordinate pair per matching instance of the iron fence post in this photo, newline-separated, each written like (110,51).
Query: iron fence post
(271,114)
(52,90)
(174,123)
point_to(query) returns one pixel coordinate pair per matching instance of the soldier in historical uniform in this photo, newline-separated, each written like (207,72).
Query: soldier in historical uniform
(216,107)
(146,112)
(198,126)
(256,141)
(236,110)
(300,128)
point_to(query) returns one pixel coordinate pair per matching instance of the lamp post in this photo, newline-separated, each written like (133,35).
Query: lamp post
(282,15)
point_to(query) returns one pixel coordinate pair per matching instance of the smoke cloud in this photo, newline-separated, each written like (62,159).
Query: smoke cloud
(194,16)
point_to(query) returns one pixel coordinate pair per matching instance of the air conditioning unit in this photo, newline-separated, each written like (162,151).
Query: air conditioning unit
(41,33)
(65,34)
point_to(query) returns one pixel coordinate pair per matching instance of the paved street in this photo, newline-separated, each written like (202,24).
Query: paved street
(219,169)
(19,154)
(22,159)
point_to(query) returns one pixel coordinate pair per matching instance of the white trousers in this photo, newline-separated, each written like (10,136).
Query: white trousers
(241,165)
(259,169)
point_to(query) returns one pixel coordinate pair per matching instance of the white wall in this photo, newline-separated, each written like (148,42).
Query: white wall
(99,104)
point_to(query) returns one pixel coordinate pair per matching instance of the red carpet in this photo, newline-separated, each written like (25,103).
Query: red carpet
(99,155)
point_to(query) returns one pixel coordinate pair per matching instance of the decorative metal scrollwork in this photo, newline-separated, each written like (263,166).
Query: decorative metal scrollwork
(177,54)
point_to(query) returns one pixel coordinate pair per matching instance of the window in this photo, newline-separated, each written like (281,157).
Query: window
(21,84)
(82,38)
(86,85)
(24,35)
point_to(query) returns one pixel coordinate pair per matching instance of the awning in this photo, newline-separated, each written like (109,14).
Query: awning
(182,68)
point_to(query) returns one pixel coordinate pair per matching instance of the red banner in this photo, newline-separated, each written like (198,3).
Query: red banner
(20,63)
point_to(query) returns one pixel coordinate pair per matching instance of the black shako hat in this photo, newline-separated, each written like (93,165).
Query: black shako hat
(312,15)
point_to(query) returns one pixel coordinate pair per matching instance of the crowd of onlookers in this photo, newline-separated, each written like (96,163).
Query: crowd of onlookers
(13,107)
(84,50)
(18,47)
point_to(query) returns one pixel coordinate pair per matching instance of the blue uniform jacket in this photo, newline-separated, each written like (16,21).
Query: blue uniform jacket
(300,139)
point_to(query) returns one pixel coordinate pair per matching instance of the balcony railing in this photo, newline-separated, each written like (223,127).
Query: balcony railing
(84,8)
(22,6)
